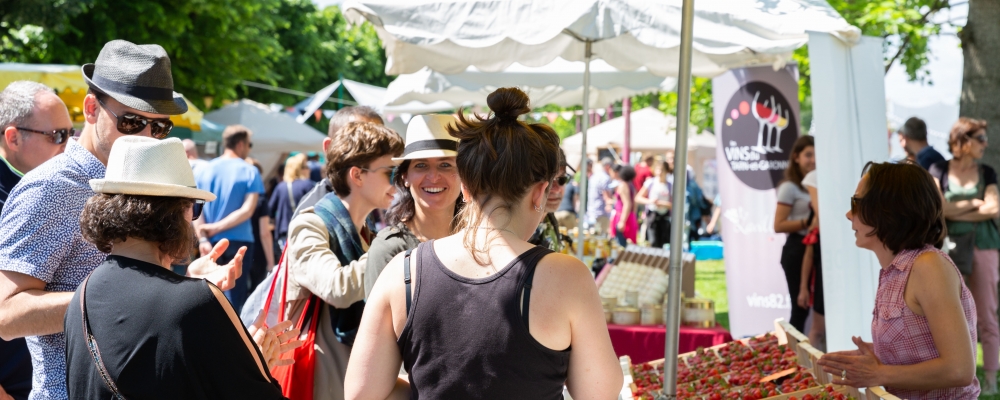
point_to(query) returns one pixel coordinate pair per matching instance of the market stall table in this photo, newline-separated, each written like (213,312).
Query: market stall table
(646,343)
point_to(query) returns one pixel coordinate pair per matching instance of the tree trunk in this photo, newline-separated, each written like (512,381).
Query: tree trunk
(981,80)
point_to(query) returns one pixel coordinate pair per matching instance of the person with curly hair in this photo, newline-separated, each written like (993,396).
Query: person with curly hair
(134,328)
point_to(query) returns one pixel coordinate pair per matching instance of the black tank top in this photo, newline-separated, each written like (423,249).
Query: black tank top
(466,339)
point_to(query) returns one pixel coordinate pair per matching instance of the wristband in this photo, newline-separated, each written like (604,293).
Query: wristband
(203,240)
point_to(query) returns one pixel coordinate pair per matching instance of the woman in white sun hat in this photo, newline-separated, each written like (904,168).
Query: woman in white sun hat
(135,329)
(428,193)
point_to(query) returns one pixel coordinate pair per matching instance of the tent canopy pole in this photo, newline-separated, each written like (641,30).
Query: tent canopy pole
(582,212)
(673,302)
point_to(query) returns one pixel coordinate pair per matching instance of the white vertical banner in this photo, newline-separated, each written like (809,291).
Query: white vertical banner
(849,117)
(756,122)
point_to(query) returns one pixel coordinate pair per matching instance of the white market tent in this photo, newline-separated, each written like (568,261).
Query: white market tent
(652,132)
(556,83)
(448,36)
(274,132)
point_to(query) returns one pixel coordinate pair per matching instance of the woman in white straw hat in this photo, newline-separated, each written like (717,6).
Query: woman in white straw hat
(428,190)
(135,329)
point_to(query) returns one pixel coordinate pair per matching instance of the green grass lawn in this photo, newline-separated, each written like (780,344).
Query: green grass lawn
(710,283)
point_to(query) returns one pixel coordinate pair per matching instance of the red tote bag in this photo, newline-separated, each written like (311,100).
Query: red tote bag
(297,380)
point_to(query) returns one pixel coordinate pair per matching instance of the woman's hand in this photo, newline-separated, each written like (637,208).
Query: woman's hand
(275,341)
(857,368)
(223,276)
(804,295)
(621,225)
(663,204)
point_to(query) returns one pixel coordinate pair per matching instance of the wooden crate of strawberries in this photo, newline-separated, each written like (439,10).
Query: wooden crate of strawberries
(777,365)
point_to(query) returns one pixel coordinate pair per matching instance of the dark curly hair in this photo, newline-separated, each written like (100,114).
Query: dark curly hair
(111,218)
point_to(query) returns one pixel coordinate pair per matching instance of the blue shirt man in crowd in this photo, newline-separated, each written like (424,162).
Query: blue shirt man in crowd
(913,138)
(237,186)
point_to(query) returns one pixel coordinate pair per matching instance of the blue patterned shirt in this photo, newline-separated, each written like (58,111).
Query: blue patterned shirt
(40,236)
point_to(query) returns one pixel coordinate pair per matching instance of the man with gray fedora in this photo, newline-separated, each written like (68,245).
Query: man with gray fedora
(43,256)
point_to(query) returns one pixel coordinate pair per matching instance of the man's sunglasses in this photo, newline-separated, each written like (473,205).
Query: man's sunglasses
(58,136)
(196,209)
(130,124)
(563,180)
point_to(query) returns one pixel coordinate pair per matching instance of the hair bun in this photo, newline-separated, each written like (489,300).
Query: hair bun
(508,103)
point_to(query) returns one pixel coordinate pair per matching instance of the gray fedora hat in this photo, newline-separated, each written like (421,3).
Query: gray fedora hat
(138,76)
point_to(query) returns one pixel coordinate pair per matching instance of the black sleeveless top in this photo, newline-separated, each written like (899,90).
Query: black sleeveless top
(466,338)
(161,336)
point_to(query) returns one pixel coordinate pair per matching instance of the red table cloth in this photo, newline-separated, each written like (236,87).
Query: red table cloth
(646,343)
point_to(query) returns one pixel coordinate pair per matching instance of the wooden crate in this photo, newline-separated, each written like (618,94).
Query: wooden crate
(660,258)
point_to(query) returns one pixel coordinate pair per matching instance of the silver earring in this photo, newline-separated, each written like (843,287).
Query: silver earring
(406,184)
(538,208)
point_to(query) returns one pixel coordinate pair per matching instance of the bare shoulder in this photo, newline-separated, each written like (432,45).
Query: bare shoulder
(931,269)
(565,268)
(389,284)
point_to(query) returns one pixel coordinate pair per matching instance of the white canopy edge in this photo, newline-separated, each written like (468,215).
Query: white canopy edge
(450,36)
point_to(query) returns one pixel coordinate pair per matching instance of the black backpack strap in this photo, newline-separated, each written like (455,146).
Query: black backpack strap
(406,279)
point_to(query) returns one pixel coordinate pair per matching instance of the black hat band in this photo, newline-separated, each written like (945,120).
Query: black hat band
(435,144)
(142,92)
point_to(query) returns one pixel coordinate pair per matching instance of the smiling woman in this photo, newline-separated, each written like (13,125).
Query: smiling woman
(428,188)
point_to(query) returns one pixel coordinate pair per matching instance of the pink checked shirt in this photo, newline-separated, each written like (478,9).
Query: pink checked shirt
(902,337)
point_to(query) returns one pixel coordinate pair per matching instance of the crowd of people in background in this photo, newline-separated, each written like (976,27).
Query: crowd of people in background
(376,228)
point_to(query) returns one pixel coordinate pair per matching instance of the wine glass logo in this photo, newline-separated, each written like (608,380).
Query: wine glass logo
(769,118)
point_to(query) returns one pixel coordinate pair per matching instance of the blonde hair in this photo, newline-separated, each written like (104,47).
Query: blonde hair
(294,166)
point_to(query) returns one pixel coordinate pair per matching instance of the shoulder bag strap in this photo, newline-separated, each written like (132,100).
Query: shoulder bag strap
(291,196)
(406,279)
(95,352)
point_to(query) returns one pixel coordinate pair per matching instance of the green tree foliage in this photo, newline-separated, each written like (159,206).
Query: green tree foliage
(213,45)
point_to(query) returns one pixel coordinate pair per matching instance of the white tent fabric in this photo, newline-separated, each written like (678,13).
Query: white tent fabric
(274,132)
(450,35)
(558,82)
(850,119)
(652,131)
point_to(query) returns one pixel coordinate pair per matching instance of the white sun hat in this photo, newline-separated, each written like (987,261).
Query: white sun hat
(427,137)
(145,166)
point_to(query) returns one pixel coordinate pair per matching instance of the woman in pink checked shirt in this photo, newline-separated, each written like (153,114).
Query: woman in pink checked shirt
(924,322)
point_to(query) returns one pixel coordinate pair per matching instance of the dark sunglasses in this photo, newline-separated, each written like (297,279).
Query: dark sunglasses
(130,124)
(855,200)
(58,136)
(196,209)
(981,139)
(563,180)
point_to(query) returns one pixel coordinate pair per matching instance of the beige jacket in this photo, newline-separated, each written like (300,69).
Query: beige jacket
(314,269)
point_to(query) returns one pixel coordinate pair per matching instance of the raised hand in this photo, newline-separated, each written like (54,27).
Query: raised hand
(275,341)
(223,276)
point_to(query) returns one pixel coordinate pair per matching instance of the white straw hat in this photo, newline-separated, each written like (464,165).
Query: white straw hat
(145,166)
(427,137)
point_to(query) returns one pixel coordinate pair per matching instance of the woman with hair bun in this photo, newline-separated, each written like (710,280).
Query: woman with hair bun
(483,313)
